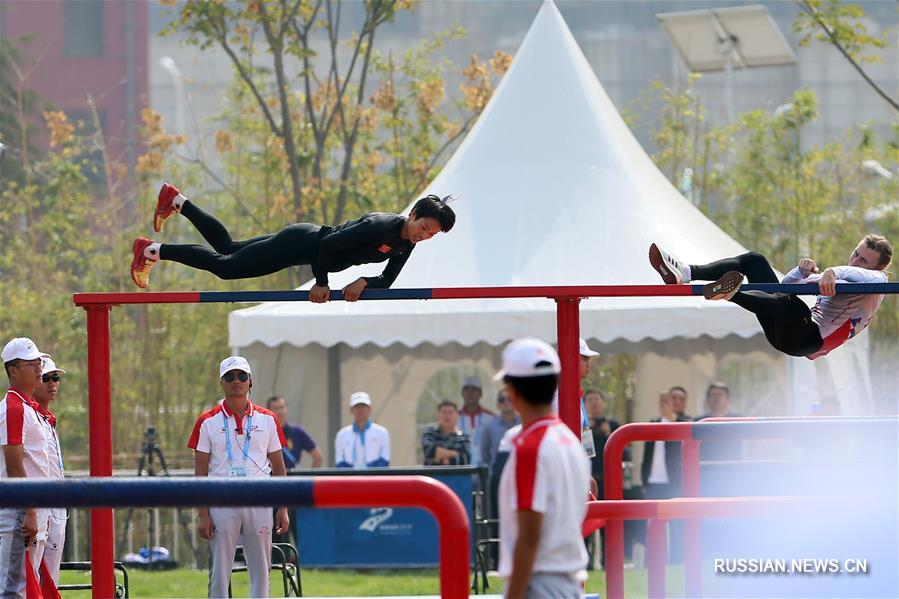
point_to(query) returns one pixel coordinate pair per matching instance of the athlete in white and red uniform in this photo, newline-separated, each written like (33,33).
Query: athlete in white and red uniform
(544,485)
(44,394)
(23,454)
(238,439)
(789,324)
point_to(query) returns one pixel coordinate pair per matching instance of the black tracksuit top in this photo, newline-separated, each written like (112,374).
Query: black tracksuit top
(374,237)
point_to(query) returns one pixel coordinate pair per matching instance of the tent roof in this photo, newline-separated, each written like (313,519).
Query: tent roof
(552,189)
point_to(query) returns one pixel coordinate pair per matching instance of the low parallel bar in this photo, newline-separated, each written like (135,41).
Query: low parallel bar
(356,491)
(193,297)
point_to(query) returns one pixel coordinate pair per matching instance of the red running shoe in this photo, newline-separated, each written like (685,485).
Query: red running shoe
(140,264)
(165,206)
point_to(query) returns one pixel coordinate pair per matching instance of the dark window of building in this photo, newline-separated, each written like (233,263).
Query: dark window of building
(84,27)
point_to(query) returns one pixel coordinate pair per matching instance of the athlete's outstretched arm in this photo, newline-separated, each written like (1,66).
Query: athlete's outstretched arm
(393,268)
(364,232)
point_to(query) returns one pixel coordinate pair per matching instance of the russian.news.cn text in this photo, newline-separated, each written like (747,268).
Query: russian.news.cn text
(812,566)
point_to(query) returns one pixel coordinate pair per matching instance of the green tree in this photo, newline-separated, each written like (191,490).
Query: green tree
(841,25)
(786,199)
(63,229)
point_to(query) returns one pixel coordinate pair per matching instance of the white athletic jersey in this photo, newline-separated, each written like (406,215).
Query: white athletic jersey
(366,448)
(842,316)
(20,424)
(547,472)
(248,457)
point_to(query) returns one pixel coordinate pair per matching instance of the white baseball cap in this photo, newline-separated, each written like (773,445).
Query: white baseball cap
(48,366)
(360,397)
(585,350)
(234,363)
(529,357)
(21,348)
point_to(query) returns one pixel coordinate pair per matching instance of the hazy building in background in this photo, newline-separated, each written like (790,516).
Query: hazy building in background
(112,51)
(85,49)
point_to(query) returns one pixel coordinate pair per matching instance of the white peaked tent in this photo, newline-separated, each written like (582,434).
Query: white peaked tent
(551,188)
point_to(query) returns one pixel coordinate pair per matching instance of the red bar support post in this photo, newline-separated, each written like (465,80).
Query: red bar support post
(656,556)
(568,334)
(692,528)
(100,431)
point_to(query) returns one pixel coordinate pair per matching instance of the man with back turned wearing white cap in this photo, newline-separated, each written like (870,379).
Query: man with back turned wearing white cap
(545,483)
(362,444)
(238,439)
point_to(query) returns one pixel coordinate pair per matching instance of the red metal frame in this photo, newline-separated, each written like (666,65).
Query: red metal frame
(693,509)
(683,432)
(411,491)
(568,334)
(98,306)
(614,490)
(100,434)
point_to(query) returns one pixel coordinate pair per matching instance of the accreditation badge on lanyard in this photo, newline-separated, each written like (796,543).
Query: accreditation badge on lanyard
(587,441)
(235,470)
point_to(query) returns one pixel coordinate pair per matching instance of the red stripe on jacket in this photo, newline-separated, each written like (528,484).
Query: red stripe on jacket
(15,419)
(527,448)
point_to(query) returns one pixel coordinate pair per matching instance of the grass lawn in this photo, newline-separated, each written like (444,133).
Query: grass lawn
(329,583)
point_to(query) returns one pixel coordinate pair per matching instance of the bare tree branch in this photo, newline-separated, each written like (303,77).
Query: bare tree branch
(222,33)
(277,47)
(814,14)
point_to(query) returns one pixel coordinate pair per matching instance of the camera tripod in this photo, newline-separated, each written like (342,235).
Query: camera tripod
(147,467)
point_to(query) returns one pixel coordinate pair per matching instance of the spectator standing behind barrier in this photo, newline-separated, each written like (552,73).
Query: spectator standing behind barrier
(544,486)
(679,403)
(45,393)
(298,440)
(362,444)
(23,531)
(600,427)
(238,439)
(661,473)
(444,444)
(474,417)
(717,403)
(493,433)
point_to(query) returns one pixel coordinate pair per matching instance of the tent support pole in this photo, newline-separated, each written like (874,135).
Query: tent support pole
(334,399)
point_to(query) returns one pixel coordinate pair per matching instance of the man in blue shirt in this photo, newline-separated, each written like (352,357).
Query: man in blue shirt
(298,440)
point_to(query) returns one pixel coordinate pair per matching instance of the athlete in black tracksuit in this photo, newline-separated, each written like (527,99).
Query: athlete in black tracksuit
(375,237)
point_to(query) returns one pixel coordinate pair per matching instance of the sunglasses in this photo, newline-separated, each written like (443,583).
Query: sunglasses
(50,377)
(240,376)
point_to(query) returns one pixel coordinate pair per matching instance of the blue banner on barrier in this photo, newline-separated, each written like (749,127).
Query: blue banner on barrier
(376,537)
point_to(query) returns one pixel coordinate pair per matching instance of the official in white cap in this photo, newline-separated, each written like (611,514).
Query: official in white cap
(45,394)
(544,485)
(238,439)
(362,444)
(24,455)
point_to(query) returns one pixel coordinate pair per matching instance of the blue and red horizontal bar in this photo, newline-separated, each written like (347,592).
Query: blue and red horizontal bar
(426,293)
